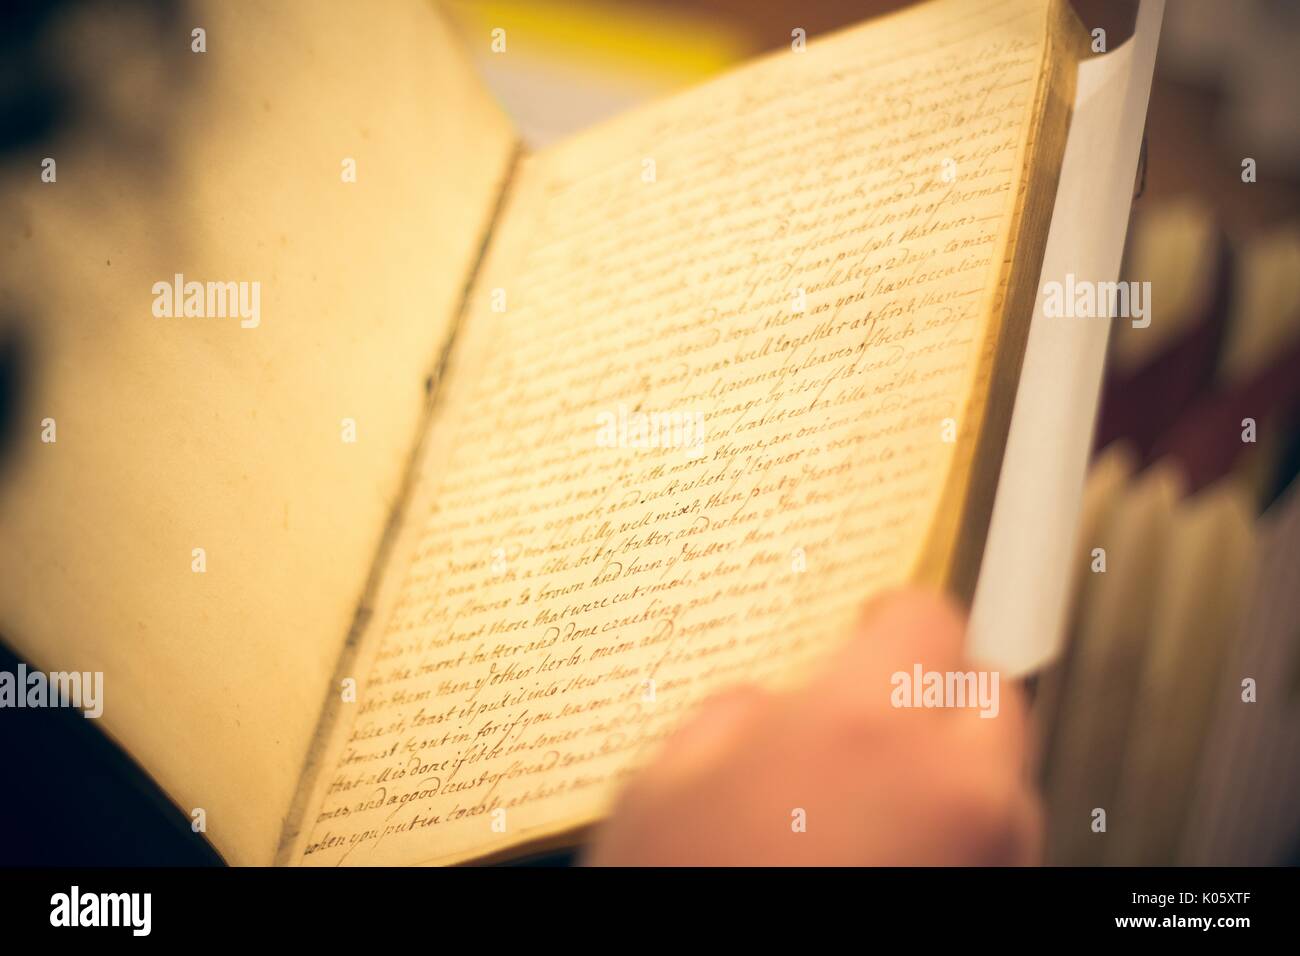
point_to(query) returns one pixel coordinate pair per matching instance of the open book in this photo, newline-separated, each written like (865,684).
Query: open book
(524,455)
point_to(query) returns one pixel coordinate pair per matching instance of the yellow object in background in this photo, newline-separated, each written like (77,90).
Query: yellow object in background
(567,64)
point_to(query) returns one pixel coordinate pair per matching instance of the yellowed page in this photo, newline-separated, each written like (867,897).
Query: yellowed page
(562,594)
(180,433)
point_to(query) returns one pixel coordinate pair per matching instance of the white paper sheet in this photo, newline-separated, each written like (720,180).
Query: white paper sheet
(1018,616)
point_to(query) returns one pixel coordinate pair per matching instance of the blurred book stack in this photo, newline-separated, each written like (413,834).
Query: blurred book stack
(1170,727)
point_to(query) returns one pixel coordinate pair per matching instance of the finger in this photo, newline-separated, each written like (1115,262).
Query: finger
(1029,840)
(708,733)
(986,693)
(896,632)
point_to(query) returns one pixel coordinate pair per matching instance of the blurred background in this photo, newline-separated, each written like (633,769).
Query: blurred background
(1147,709)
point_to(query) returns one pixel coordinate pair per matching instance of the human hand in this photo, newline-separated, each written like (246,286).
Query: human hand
(877,784)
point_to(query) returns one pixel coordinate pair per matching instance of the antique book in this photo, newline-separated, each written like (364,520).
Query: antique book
(508,460)
(1195,620)
(1094,714)
(1245,805)
(1156,745)
(1108,478)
